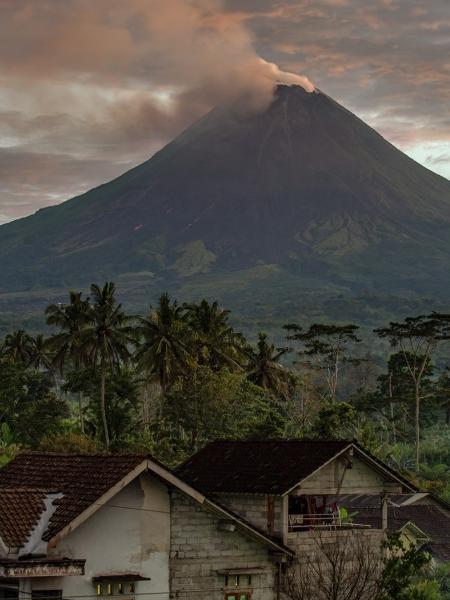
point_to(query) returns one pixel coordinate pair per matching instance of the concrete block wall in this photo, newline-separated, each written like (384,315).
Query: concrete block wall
(199,550)
(306,543)
(334,477)
(253,508)
(315,558)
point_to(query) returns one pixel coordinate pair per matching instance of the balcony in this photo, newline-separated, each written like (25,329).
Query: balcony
(308,513)
(306,522)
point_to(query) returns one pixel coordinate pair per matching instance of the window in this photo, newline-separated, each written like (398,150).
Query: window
(112,589)
(237,596)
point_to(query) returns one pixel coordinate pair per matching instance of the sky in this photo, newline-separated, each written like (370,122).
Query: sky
(90,88)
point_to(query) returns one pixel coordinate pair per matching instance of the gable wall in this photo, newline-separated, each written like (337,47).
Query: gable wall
(360,479)
(199,549)
(253,508)
(114,540)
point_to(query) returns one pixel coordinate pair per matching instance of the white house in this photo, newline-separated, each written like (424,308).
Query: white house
(100,525)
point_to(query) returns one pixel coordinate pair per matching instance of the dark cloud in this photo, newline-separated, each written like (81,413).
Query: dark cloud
(88,89)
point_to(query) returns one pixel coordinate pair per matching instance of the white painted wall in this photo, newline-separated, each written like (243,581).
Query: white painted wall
(115,540)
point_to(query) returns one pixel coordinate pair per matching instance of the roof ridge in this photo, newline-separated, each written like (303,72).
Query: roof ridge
(23,489)
(85,454)
(281,440)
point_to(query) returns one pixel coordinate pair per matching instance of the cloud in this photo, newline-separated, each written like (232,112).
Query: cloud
(386,61)
(89,89)
(436,160)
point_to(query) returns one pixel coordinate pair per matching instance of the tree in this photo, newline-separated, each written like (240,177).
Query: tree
(18,347)
(335,421)
(221,404)
(400,567)
(163,349)
(8,444)
(121,402)
(41,358)
(71,319)
(443,393)
(395,393)
(417,339)
(326,348)
(28,404)
(217,344)
(106,339)
(264,369)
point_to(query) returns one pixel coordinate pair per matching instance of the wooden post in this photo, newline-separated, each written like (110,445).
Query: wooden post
(285,518)
(384,511)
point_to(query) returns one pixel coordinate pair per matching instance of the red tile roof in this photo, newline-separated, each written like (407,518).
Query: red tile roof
(267,467)
(82,479)
(20,511)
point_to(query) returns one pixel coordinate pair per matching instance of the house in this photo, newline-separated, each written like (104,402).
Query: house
(122,525)
(223,526)
(290,488)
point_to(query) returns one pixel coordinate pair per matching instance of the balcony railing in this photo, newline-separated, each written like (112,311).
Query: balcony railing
(304,522)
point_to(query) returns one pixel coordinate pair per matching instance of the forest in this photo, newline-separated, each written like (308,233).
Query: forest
(168,382)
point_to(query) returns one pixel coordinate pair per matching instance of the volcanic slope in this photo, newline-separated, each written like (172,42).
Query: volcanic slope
(300,195)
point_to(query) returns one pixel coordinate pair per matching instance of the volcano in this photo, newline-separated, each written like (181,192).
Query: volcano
(300,195)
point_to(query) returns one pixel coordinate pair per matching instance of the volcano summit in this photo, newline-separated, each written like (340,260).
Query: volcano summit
(301,195)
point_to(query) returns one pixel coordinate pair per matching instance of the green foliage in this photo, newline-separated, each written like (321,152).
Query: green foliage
(69,442)
(212,405)
(401,566)
(8,446)
(216,344)
(222,405)
(336,421)
(121,403)
(183,375)
(326,348)
(163,353)
(28,404)
(264,369)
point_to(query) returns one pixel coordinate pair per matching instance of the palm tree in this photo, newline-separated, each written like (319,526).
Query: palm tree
(106,339)
(264,369)
(18,347)
(41,358)
(217,343)
(71,319)
(163,351)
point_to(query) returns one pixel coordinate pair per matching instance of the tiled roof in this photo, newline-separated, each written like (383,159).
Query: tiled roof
(428,518)
(20,510)
(81,479)
(266,467)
